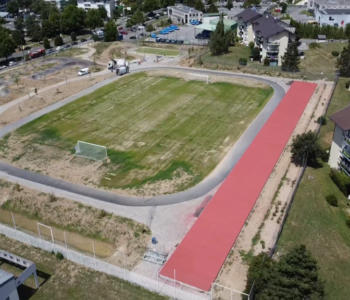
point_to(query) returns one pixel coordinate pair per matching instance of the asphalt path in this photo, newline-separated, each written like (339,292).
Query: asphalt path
(210,182)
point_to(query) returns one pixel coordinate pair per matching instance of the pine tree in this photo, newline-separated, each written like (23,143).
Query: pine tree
(343,62)
(219,40)
(291,59)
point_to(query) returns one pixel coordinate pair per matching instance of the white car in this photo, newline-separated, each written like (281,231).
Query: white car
(59,48)
(12,63)
(2,67)
(83,72)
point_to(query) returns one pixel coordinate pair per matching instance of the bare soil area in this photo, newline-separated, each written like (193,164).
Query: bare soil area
(81,221)
(262,227)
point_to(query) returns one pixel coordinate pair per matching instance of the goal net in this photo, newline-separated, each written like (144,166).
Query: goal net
(90,151)
(199,77)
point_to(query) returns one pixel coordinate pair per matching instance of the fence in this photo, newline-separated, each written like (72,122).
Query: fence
(164,286)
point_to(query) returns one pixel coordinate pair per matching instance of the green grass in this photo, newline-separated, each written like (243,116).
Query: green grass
(231,58)
(67,280)
(101,46)
(154,127)
(72,52)
(158,51)
(321,227)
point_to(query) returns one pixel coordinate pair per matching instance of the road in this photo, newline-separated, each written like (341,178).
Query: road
(215,178)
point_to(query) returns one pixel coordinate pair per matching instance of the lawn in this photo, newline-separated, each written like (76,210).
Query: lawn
(158,51)
(311,221)
(155,127)
(62,279)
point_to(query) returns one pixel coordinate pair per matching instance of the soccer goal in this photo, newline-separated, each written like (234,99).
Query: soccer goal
(200,77)
(90,151)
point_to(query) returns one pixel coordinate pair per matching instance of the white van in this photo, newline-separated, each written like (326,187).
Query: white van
(140,27)
(83,72)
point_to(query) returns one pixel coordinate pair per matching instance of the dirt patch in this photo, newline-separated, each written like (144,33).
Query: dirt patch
(46,97)
(124,234)
(213,78)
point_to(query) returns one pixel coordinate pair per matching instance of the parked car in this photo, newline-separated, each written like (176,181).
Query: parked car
(12,63)
(120,28)
(49,51)
(133,37)
(83,40)
(84,71)
(143,34)
(74,43)
(59,48)
(133,29)
(124,32)
(3,67)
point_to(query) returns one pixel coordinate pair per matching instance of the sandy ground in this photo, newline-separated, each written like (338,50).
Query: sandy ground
(120,233)
(267,214)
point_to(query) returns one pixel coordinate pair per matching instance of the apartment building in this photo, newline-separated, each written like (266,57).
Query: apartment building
(184,15)
(330,12)
(267,32)
(109,5)
(340,152)
(317,5)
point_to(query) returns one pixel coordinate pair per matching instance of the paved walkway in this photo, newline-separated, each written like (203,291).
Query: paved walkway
(215,178)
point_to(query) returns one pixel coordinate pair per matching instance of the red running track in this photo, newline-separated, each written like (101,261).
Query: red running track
(202,252)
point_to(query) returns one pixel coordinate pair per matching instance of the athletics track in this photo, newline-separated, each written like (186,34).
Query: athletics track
(199,257)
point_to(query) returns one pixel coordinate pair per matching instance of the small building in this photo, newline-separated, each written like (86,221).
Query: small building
(212,23)
(333,17)
(8,282)
(184,15)
(267,32)
(340,151)
(321,38)
(109,5)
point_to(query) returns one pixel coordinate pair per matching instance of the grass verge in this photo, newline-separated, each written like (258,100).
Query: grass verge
(62,279)
(321,227)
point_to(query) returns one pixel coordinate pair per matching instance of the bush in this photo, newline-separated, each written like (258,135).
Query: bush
(266,61)
(324,155)
(149,28)
(314,45)
(73,36)
(251,46)
(335,53)
(322,120)
(341,180)
(102,214)
(332,200)
(95,37)
(47,44)
(58,41)
(59,256)
(348,222)
(347,84)
(243,61)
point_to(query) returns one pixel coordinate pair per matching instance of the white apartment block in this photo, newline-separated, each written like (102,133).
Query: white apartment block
(330,12)
(340,152)
(183,14)
(268,33)
(317,5)
(109,5)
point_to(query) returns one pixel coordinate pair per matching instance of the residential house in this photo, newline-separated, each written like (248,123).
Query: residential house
(184,15)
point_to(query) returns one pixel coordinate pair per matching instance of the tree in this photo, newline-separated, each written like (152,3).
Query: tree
(251,46)
(166,3)
(229,5)
(212,9)
(256,54)
(291,59)
(47,44)
(12,7)
(249,3)
(58,41)
(306,146)
(48,29)
(117,14)
(73,36)
(149,28)
(93,19)
(219,40)
(138,17)
(294,276)
(73,18)
(199,5)
(150,5)
(343,62)
(33,28)
(103,12)
(7,45)
(284,6)
(18,37)
(111,31)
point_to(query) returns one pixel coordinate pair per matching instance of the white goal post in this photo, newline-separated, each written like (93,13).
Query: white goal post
(90,151)
(200,77)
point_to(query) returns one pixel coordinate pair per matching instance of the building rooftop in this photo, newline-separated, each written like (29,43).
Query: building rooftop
(248,15)
(184,9)
(4,14)
(335,11)
(332,2)
(342,118)
(5,277)
(267,26)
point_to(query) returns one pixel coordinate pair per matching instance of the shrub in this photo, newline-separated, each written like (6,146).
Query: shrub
(73,36)
(52,197)
(314,45)
(149,28)
(347,84)
(243,61)
(324,155)
(332,200)
(102,214)
(348,222)
(341,180)
(59,256)
(58,41)
(251,46)
(95,37)
(335,53)
(266,61)
(47,43)
(322,120)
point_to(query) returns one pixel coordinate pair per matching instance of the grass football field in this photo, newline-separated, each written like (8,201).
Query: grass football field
(155,127)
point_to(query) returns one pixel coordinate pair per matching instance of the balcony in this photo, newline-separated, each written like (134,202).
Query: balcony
(345,168)
(347,140)
(345,153)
